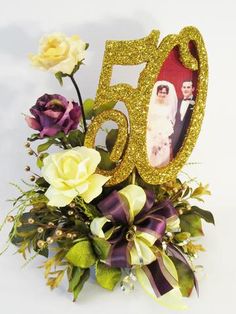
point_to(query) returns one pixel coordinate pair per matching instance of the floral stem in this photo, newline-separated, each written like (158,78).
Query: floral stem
(80,101)
(63,143)
(134,176)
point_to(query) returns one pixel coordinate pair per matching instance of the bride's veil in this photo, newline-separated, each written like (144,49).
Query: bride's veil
(171,97)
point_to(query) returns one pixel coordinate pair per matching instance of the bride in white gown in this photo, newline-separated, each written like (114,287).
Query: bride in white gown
(161,119)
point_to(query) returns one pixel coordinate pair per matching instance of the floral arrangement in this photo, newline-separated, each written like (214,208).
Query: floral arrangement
(127,232)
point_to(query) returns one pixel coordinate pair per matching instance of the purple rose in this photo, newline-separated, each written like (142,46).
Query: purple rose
(53,113)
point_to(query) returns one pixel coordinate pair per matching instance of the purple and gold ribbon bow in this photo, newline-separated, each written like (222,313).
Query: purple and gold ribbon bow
(132,224)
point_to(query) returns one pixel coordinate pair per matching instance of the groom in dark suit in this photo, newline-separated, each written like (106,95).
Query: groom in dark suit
(183,115)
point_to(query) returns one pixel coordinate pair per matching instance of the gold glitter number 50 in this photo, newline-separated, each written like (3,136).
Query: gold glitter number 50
(137,100)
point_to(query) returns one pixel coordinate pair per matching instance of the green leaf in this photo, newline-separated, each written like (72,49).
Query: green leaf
(107,106)
(24,231)
(88,108)
(185,277)
(88,209)
(182,236)
(90,112)
(200,191)
(81,255)
(59,76)
(42,147)
(204,214)
(187,191)
(25,227)
(105,163)
(75,277)
(43,251)
(86,46)
(34,137)
(76,68)
(111,139)
(79,287)
(191,223)
(41,182)
(40,159)
(82,227)
(16,239)
(59,135)
(101,247)
(76,138)
(92,211)
(106,276)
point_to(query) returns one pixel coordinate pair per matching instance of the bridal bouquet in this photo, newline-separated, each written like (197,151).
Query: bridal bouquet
(70,214)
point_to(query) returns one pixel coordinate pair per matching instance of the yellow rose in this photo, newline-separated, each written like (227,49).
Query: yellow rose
(58,53)
(71,173)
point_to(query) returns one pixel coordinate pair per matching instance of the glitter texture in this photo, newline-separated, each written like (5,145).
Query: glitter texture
(121,120)
(134,52)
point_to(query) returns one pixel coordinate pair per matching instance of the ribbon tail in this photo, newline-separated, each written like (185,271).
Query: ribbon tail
(159,280)
(176,253)
(119,255)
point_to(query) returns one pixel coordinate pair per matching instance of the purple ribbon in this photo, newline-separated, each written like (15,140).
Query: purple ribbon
(159,277)
(151,219)
(173,251)
(154,225)
(115,209)
(119,254)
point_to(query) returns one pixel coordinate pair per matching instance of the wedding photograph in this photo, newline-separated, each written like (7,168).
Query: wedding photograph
(170,110)
(161,122)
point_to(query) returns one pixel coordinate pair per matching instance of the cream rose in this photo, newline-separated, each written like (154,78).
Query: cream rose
(58,53)
(71,173)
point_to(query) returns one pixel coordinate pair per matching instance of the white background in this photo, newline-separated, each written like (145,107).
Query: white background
(22,23)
